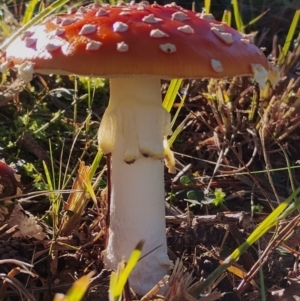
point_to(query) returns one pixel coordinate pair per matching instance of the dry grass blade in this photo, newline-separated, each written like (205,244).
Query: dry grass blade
(152,294)
(22,264)
(11,274)
(10,91)
(215,295)
(77,201)
(178,283)
(18,286)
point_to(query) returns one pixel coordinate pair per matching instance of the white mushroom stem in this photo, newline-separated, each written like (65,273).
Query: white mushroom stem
(132,130)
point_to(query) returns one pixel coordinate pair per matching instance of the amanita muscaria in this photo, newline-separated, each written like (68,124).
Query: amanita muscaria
(10,187)
(10,183)
(135,45)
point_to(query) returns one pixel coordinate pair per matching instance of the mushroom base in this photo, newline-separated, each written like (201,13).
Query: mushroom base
(132,130)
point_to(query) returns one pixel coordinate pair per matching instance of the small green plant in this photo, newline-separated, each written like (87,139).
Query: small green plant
(219,197)
(258,208)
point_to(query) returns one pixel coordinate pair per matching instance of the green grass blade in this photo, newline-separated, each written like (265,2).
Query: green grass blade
(89,104)
(289,38)
(253,106)
(227,17)
(53,198)
(183,97)
(180,127)
(30,7)
(52,166)
(132,261)
(95,164)
(254,20)
(260,230)
(175,134)
(168,103)
(171,94)
(77,291)
(207,4)
(48,10)
(119,279)
(112,285)
(48,178)
(237,16)
(262,284)
(89,188)
(266,224)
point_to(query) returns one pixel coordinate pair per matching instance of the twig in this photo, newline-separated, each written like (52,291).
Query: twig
(253,133)
(18,286)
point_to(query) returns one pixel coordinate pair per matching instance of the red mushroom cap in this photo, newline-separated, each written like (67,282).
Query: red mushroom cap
(140,39)
(10,184)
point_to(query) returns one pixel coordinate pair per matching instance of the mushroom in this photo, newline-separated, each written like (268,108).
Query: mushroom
(14,216)
(10,186)
(10,183)
(135,45)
